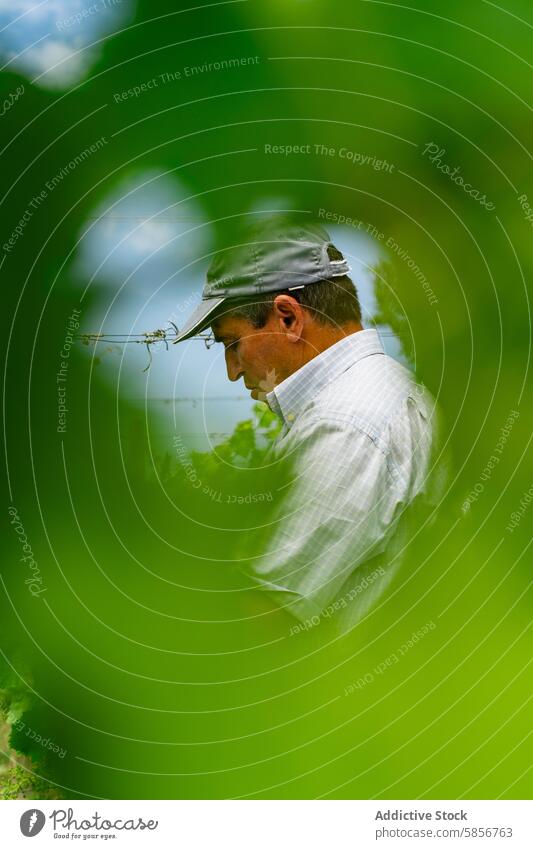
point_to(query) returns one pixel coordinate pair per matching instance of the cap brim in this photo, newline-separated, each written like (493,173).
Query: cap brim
(200,319)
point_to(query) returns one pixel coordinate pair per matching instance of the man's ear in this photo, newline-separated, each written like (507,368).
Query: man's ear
(290,315)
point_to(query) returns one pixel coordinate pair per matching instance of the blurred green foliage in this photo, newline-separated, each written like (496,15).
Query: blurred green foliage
(148,658)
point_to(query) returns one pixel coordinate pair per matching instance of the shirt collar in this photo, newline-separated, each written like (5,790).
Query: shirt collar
(290,396)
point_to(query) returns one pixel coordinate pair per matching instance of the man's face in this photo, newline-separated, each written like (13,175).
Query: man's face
(262,357)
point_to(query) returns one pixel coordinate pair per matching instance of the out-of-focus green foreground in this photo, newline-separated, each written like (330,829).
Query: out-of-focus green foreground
(145,659)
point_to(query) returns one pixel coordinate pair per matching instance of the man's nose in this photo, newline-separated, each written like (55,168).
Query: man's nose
(233,366)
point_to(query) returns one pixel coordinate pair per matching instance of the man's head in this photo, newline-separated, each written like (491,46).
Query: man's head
(276,297)
(269,337)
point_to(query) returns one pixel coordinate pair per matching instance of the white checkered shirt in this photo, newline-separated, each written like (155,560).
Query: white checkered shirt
(360,433)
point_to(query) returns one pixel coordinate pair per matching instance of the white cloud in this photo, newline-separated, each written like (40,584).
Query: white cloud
(144,223)
(60,63)
(44,36)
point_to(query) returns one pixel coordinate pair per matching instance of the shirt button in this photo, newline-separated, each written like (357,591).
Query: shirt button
(290,417)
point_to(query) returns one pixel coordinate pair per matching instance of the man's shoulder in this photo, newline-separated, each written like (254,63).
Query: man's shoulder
(369,396)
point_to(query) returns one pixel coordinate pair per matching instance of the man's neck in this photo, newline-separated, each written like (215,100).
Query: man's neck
(319,340)
(323,339)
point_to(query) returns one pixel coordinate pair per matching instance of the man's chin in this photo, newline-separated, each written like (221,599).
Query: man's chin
(255,394)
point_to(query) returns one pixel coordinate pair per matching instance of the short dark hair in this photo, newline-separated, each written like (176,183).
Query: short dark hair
(332,301)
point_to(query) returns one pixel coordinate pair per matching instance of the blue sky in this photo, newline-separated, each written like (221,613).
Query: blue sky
(50,41)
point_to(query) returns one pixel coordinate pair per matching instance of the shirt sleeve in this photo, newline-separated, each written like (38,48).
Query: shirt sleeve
(341,507)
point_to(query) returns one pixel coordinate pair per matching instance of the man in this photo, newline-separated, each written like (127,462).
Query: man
(357,427)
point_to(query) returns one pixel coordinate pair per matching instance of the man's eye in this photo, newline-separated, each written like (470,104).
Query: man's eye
(229,346)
